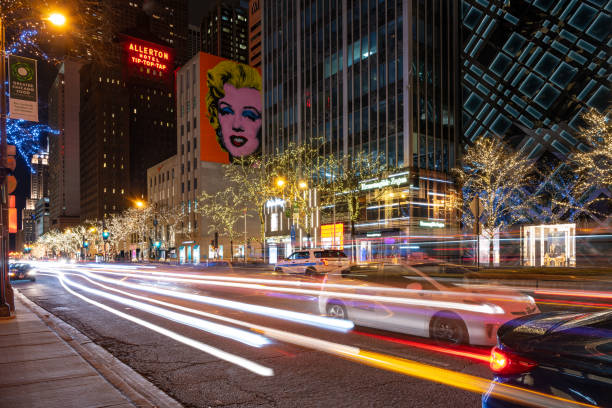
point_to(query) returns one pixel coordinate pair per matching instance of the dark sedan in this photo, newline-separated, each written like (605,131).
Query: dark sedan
(567,355)
(20,271)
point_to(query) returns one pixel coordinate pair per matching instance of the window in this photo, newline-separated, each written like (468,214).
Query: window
(195,183)
(188,124)
(182,149)
(188,185)
(195,143)
(274,222)
(195,121)
(182,168)
(182,130)
(188,166)
(188,147)
(195,163)
(182,187)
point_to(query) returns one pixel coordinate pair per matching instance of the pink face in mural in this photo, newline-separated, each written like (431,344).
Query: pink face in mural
(240,120)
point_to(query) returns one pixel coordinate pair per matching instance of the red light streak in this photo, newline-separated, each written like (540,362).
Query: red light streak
(477,356)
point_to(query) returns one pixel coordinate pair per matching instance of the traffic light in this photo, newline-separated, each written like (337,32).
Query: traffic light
(105,234)
(10,163)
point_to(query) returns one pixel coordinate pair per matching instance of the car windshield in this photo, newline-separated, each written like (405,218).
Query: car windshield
(329,254)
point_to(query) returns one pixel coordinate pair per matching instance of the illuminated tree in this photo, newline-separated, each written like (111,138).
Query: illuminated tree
(499,177)
(343,184)
(594,166)
(222,211)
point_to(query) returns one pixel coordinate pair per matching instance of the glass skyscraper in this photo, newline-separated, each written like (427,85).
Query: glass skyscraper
(372,75)
(377,76)
(531,67)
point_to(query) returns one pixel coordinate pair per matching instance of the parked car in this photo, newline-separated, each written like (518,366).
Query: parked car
(402,298)
(568,355)
(312,261)
(20,271)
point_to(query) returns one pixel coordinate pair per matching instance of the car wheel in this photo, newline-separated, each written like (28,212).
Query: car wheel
(337,311)
(278,270)
(311,271)
(32,279)
(448,329)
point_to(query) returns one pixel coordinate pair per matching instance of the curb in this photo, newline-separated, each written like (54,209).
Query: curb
(135,387)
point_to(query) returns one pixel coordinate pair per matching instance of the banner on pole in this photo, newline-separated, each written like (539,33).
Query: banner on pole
(23,90)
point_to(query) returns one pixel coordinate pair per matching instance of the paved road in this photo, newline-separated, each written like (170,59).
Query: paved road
(306,372)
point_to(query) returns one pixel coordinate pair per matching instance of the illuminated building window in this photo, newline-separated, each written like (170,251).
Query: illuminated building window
(104,165)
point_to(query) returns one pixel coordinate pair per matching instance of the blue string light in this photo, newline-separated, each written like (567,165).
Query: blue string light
(26,136)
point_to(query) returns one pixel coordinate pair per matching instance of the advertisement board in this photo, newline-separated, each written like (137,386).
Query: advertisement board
(332,235)
(231,109)
(23,89)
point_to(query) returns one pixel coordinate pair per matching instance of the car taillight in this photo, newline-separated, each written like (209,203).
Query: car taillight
(505,363)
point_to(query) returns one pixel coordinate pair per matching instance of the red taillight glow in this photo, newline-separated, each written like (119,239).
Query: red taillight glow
(506,363)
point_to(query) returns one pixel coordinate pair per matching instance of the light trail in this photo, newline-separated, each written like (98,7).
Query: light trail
(213,351)
(574,293)
(484,308)
(481,357)
(319,321)
(382,361)
(573,304)
(214,328)
(318,285)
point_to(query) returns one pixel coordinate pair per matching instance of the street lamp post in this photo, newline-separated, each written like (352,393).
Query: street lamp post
(7,302)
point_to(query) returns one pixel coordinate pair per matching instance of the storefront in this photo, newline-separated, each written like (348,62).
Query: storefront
(548,245)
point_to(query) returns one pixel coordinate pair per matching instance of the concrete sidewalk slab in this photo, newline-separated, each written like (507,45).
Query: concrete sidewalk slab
(46,362)
(38,368)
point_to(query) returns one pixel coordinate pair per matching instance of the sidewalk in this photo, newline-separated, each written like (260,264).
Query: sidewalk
(38,369)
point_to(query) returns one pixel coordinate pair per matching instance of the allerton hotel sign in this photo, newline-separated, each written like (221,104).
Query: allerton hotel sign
(143,58)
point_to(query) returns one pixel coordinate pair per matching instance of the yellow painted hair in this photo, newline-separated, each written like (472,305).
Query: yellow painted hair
(235,73)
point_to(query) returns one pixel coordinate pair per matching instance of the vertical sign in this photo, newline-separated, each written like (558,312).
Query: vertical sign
(23,92)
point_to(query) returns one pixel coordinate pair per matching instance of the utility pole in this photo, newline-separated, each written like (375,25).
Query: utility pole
(7,301)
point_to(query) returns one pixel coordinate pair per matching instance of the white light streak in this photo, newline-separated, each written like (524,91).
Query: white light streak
(213,351)
(214,328)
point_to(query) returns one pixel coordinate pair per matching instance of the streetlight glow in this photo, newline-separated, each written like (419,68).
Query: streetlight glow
(139,204)
(303,185)
(280,182)
(57,19)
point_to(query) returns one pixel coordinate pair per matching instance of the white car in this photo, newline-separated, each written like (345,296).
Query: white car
(403,299)
(312,261)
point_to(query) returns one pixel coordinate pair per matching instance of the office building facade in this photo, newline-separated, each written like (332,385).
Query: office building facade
(255,33)
(127,117)
(224,30)
(194,40)
(374,77)
(531,68)
(64,164)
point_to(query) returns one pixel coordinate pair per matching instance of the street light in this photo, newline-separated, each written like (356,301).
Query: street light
(280,182)
(57,19)
(139,204)
(303,185)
